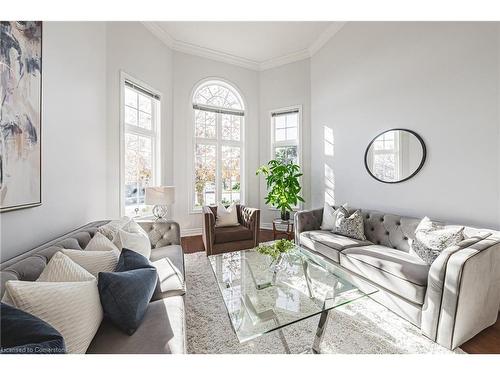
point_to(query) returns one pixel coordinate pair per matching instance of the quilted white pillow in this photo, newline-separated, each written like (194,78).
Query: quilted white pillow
(59,269)
(226,217)
(94,261)
(62,269)
(100,243)
(72,308)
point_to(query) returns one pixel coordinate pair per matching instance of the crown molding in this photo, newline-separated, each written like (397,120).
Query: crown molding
(283,60)
(161,34)
(325,36)
(208,53)
(228,58)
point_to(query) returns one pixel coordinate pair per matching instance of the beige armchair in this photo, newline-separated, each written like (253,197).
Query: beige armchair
(225,239)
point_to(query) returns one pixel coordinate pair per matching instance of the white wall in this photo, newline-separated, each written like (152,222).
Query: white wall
(280,87)
(133,49)
(73,139)
(439,79)
(188,71)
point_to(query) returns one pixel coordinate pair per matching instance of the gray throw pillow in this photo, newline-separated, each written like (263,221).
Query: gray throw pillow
(350,226)
(432,238)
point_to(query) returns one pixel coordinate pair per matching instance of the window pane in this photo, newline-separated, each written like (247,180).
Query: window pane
(287,154)
(205,124)
(138,167)
(291,120)
(145,120)
(280,135)
(130,116)
(280,122)
(205,164)
(217,95)
(130,98)
(231,162)
(291,134)
(145,104)
(231,127)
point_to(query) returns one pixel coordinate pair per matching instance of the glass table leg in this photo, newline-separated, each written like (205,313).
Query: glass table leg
(320,331)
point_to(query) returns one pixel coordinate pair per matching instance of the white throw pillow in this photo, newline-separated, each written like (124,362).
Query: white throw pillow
(226,217)
(72,308)
(330,216)
(101,243)
(62,269)
(94,261)
(110,229)
(432,238)
(59,269)
(138,242)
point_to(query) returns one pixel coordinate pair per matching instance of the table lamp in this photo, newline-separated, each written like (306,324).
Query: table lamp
(160,197)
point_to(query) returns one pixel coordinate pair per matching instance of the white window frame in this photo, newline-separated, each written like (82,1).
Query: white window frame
(298,142)
(154,133)
(218,142)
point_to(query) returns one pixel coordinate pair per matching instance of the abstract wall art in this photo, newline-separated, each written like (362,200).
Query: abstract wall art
(20,114)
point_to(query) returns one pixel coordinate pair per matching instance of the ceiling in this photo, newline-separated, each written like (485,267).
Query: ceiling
(254,45)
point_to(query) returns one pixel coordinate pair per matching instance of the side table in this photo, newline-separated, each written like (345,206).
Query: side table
(289,233)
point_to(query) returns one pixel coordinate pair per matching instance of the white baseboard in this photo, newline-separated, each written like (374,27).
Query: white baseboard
(266,226)
(191,232)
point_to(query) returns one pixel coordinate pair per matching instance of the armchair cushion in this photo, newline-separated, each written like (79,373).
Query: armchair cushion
(231,234)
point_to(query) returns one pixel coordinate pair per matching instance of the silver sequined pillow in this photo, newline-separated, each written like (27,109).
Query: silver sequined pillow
(350,226)
(432,238)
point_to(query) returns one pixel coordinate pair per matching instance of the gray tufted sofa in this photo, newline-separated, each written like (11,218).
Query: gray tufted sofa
(451,301)
(163,329)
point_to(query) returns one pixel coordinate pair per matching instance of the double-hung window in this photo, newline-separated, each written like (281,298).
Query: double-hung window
(285,135)
(219,116)
(141,146)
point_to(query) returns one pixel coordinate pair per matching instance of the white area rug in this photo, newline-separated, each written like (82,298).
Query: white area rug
(363,327)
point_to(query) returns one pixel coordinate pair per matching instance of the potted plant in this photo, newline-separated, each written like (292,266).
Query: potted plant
(282,180)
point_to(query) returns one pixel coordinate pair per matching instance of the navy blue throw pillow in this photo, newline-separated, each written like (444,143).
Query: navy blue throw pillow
(131,260)
(23,333)
(125,296)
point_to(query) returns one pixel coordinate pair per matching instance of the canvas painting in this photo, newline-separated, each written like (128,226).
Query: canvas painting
(20,114)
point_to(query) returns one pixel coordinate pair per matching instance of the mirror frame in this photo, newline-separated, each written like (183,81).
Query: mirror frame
(424,155)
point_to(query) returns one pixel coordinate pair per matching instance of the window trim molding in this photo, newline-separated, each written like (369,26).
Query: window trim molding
(291,108)
(124,76)
(192,210)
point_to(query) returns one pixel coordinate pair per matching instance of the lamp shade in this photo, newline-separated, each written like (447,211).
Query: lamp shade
(160,195)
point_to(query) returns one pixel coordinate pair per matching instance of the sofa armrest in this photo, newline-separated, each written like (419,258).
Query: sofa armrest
(307,220)
(208,230)
(462,293)
(250,218)
(161,232)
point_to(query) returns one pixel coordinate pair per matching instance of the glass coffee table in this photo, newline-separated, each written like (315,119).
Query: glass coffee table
(263,296)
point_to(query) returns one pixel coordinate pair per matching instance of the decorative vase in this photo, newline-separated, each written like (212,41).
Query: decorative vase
(285,215)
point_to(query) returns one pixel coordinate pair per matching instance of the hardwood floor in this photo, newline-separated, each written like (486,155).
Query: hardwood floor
(486,342)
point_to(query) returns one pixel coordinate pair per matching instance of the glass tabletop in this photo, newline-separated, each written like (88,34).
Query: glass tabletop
(262,295)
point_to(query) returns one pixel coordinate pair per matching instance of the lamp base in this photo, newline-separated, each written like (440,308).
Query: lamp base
(160,212)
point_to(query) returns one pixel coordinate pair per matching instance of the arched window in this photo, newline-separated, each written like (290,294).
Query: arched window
(218,144)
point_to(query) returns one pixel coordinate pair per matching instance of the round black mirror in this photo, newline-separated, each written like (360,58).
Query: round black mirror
(395,155)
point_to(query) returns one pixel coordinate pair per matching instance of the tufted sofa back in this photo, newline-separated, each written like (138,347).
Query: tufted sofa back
(29,266)
(394,231)
(390,230)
